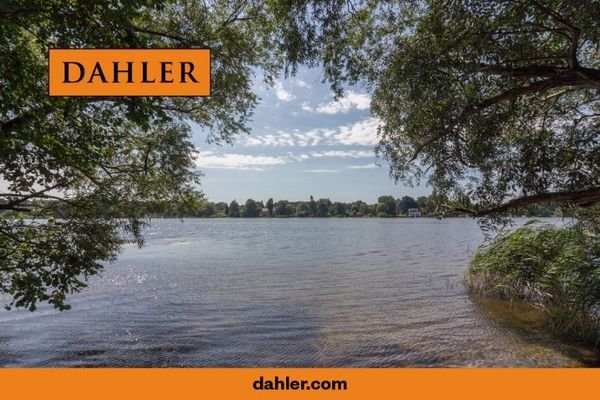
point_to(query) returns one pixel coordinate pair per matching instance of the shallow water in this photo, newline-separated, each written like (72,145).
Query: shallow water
(283,293)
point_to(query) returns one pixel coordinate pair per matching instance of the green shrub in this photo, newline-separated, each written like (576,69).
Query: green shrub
(556,269)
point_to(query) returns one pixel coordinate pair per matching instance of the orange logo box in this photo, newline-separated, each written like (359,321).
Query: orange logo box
(129,72)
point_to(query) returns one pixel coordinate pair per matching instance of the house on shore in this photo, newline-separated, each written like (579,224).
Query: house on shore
(414,213)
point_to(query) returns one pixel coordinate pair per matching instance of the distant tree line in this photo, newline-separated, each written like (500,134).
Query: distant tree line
(386,206)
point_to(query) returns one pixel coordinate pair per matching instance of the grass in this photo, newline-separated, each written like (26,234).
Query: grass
(556,269)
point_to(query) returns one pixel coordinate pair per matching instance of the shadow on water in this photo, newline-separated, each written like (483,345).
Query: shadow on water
(528,324)
(6,356)
(261,336)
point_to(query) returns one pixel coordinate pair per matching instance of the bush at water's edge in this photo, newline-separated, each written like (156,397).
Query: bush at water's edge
(556,269)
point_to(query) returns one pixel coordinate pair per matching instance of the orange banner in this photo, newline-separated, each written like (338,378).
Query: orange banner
(249,383)
(129,72)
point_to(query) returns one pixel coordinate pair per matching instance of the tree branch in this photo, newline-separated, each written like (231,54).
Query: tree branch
(13,207)
(171,36)
(555,15)
(575,31)
(580,78)
(582,198)
(15,13)
(20,198)
(533,71)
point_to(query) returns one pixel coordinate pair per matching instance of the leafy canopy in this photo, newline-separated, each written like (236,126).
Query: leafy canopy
(103,160)
(496,100)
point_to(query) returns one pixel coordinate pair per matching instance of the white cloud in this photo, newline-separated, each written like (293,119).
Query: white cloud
(212,160)
(301,83)
(365,166)
(310,138)
(351,100)
(283,94)
(253,141)
(306,106)
(362,133)
(298,157)
(359,133)
(343,154)
(208,159)
(322,171)
(272,140)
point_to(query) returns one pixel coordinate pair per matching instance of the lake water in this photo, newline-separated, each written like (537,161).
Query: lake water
(287,293)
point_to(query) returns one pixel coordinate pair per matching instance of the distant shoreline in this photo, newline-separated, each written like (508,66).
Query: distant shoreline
(365,217)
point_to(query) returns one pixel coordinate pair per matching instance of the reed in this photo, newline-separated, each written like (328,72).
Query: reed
(556,269)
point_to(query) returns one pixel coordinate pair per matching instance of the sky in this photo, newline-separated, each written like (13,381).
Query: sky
(302,143)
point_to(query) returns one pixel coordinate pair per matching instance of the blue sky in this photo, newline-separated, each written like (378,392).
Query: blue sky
(302,143)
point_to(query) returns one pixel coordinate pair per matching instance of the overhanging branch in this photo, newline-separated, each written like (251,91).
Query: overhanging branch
(582,198)
(12,207)
(580,78)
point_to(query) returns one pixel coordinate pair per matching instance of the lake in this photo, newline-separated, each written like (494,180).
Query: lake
(287,293)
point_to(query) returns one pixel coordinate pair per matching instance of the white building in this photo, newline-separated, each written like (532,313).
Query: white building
(414,212)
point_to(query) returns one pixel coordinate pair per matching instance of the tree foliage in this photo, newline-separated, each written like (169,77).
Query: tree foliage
(251,209)
(270,206)
(104,159)
(405,203)
(497,100)
(234,209)
(386,206)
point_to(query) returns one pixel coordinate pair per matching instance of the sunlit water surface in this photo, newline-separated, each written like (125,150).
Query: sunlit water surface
(287,292)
